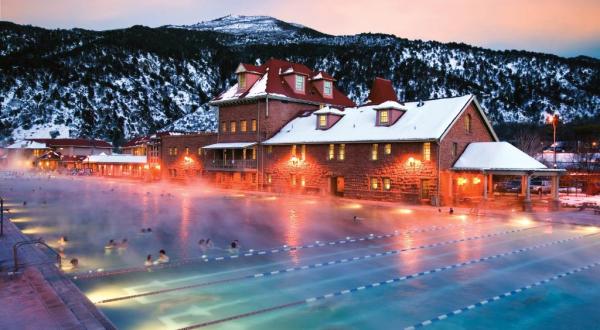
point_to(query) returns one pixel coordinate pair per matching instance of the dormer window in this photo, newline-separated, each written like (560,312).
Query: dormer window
(241,81)
(384,117)
(299,83)
(327,88)
(323,121)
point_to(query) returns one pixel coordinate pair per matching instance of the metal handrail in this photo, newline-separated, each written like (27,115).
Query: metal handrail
(17,245)
(232,163)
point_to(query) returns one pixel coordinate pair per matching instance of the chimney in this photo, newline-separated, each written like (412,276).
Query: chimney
(382,90)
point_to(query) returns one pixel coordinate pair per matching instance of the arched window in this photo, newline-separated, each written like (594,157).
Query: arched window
(468,123)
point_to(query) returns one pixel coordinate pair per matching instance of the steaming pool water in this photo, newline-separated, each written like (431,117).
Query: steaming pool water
(304,262)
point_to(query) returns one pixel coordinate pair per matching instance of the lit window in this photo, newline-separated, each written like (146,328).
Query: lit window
(187,150)
(327,88)
(253,124)
(293,179)
(299,83)
(384,117)
(374,151)
(269,149)
(253,153)
(303,152)
(293,150)
(331,153)
(374,183)
(387,184)
(427,151)
(175,151)
(199,151)
(322,121)
(242,81)
(269,178)
(244,154)
(468,123)
(223,127)
(233,126)
(454,149)
(303,181)
(388,148)
(243,125)
(342,152)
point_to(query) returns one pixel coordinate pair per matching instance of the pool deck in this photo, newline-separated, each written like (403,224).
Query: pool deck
(39,296)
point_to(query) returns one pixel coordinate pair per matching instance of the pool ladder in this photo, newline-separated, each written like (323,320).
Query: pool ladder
(17,245)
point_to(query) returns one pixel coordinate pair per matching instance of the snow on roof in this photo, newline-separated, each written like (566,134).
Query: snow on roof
(259,88)
(115,159)
(428,122)
(230,145)
(27,145)
(329,110)
(495,156)
(390,105)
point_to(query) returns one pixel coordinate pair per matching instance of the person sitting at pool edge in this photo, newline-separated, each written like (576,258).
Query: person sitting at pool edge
(162,257)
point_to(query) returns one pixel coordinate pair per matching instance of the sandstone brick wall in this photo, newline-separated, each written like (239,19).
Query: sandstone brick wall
(185,169)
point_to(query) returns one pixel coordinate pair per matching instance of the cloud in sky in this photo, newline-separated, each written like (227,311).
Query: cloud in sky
(556,26)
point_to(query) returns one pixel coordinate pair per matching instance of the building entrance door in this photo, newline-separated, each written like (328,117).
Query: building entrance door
(337,185)
(425,191)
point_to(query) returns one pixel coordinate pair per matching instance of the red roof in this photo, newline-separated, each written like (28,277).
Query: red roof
(74,143)
(322,75)
(381,91)
(275,69)
(136,141)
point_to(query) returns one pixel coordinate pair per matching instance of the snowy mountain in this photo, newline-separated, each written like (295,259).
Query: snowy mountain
(122,83)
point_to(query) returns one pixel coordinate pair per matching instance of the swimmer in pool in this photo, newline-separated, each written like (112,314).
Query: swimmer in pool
(111,244)
(123,244)
(63,240)
(163,258)
(148,261)
(74,263)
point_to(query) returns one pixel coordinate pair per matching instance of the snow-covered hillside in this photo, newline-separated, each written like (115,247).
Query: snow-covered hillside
(118,84)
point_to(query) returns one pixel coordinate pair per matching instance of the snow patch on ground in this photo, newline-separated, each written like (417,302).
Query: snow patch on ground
(41,132)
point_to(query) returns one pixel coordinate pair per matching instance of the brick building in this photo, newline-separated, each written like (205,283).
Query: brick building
(286,128)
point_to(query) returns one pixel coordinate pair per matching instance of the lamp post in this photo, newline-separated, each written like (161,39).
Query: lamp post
(554,121)
(1,216)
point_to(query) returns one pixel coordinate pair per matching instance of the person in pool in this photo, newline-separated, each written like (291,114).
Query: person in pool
(163,258)
(148,261)
(111,244)
(63,240)
(123,244)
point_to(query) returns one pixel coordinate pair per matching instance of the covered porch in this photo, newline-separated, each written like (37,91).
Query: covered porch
(231,156)
(476,170)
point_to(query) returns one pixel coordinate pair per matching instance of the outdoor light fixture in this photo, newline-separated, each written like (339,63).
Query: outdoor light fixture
(461,181)
(187,159)
(157,167)
(411,162)
(294,161)
(146,166)
(476,180)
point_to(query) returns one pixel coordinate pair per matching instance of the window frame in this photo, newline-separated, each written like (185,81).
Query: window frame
(243,126)
(387,149)
(426,151)
(241,81)
(387,117)
(386,186)
(327,88)
(374,183)
(233,126)
(253,125)
(299,80)
(341,152)
(322,121)
(468,124)
(454,150)
(331,152)
(374,151)
(224,126)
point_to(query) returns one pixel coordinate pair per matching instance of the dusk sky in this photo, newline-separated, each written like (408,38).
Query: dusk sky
(566,28)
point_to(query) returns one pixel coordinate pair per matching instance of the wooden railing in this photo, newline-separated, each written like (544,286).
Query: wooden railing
(231,164)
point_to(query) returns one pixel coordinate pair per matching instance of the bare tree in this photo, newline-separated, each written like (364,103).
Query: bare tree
(528,140)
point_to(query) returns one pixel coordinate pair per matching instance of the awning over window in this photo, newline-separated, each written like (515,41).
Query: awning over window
(230,145)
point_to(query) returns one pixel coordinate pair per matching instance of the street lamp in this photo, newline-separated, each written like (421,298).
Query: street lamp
(554,121)
(1,216)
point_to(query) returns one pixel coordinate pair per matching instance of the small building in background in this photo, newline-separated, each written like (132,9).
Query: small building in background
(117,165)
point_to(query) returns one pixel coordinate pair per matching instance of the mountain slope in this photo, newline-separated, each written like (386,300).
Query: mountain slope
(121,83)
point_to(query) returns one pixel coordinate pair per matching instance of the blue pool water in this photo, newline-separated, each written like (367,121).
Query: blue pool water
(436,263)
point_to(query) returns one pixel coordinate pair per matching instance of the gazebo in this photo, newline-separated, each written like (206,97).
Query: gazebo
(502,158)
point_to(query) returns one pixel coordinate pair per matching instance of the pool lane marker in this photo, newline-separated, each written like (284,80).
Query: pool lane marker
(386,282)
(502,296)
(249,253)
(316,265)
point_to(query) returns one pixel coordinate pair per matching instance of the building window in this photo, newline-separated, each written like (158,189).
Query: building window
(233,126)
(374,184)
(303,152)
(199,151)
(374,151)
(468,123)
(387,184)
(454,149)
(269,149)
(253,125)
(342,152)
(243,126)
(223,127)
(387,148)
(293,179)
(384,117)
(187,151)
(175,151)
(293,150)
(253,153)
(322,121)
(303,181)
(331,153)
(299,83)
(427,151)
(269,178)
(327,88)
(244,154)
(241,81)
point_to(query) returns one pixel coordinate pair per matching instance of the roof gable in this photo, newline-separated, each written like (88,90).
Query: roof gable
(495,156)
